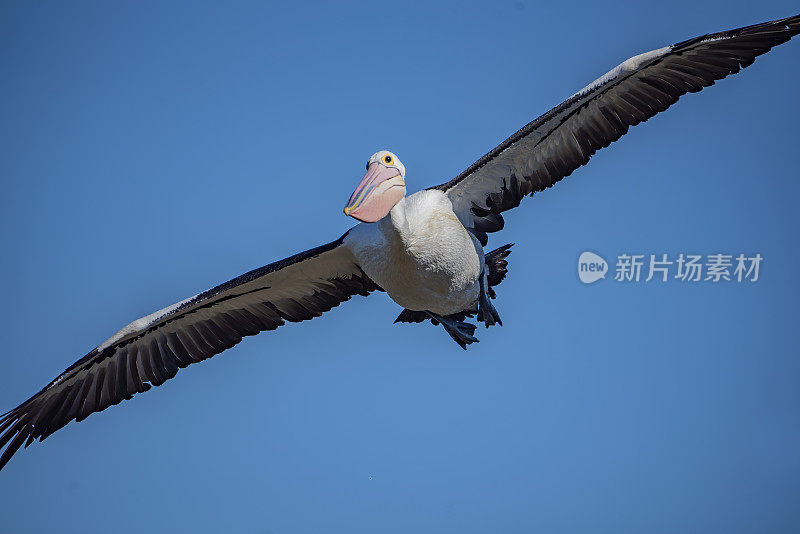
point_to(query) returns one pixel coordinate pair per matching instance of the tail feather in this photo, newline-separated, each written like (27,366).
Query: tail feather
(410,316)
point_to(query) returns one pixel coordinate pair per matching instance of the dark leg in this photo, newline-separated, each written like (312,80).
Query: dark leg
(461,332)
(486,310)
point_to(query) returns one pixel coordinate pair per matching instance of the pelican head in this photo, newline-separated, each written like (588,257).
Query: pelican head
(382,187)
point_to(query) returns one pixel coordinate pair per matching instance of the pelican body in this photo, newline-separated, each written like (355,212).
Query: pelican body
(418,250)
(421,255)
(424,250)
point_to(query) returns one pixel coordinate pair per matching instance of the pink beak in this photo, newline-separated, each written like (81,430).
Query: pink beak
(377,193)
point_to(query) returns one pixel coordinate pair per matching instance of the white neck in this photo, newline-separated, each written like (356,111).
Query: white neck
(395,225)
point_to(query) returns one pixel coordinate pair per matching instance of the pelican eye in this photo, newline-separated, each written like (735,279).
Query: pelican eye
(387,159)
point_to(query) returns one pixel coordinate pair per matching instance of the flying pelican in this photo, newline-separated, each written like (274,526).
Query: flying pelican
(425,250)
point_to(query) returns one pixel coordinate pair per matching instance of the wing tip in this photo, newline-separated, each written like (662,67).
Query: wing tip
(790,25)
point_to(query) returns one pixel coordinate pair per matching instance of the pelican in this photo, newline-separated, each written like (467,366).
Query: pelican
(424,250)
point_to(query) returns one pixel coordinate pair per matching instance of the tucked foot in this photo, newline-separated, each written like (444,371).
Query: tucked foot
(461,332)
(486,310)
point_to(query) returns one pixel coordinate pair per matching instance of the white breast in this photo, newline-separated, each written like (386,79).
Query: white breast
(421,255)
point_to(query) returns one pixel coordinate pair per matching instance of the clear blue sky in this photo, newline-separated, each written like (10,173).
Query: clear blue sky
(150,150)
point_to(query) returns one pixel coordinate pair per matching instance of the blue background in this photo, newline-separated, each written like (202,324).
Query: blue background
(152,150)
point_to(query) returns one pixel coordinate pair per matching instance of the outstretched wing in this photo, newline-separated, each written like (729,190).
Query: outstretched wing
(552,146)
(150,350)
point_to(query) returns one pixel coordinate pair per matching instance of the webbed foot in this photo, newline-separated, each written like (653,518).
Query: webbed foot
(461,332)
